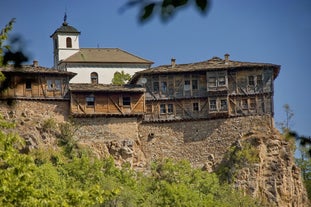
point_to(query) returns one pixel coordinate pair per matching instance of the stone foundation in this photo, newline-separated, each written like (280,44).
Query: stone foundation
(197,141)
(35,109)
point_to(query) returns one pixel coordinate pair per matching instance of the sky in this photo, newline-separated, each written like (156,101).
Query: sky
(265,31)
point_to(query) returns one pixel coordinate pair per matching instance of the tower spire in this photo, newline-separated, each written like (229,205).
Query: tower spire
(65,19)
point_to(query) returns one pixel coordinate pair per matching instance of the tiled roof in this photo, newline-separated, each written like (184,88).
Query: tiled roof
(65,28)
(89,87)
(214,63)
(34,69)
(105,55)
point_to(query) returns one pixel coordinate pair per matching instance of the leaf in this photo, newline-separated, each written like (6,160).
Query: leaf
(147,11)
(177,3)
(202,5)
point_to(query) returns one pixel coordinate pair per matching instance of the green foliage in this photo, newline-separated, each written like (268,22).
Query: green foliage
(178,184)
(165,8)
(120,78)
(304,161)
(3,37)
(49,125)
(238,156)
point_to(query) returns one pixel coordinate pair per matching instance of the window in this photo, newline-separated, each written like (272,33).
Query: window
(28,84)
(90,101)
(223,105)
(54,84)
(127,101)
(94,78)
(259,80)
(170,108)
(195,107)
(68,42)
(156,86)
(58,85)
(244,104)
(252,103)
(187,85)
(251,81)
(212,105)
(163,87)
(50,84)
(162,109)
(194,84)
(212,82)
(221,80)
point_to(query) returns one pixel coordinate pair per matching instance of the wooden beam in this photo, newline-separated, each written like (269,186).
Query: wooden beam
(116,105)
(137,102)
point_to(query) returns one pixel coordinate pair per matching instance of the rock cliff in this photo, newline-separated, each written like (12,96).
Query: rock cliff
(207,144)
(272,175)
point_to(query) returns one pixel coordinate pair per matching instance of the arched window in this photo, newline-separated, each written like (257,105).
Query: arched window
(94,78)
(68,42)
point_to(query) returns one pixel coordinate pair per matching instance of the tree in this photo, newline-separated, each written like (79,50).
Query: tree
(3,37)
(286,124)
(166,8)
(120,78)
(6,53)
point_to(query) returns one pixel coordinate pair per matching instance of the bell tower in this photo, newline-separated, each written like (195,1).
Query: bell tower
(65,42)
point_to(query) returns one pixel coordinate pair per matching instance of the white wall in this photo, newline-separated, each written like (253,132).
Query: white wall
(105,72)
(65,52)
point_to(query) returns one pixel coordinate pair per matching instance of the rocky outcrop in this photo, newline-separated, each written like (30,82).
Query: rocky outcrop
(273,176)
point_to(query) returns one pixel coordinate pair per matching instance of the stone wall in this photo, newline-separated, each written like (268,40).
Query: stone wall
(34,109)
(197,141)
(106,128)
(116,137)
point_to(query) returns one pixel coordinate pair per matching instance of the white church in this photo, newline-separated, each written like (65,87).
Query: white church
(92,65)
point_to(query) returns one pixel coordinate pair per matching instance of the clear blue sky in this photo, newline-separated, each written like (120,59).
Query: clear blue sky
(277,31)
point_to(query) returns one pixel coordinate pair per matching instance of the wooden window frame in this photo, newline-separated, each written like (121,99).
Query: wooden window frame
(50,84)
(126,101)
(244,104)
(251,81)
(252,103)
(156,86)
(195,107)
(187,85)
(259,80)
(212,83)
(90,101)
(221,80)
(213,107)
(223,105)
(57,84)
(162,108)
(170,108)
(163,86)
(54,84)
(195,84)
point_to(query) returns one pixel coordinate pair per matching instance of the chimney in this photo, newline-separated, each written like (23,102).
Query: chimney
(35,63)
(227,58)
(173,62)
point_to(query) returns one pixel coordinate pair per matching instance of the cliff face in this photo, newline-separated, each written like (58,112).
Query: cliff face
(273,176)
